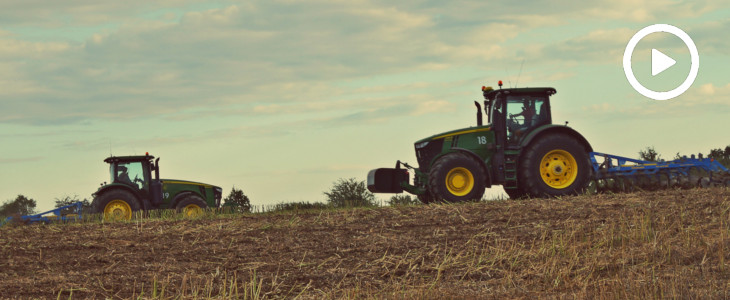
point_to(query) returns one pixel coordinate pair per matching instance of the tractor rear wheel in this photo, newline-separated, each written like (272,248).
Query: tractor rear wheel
(116,205)
(457,177)
(191,206)
(555,165)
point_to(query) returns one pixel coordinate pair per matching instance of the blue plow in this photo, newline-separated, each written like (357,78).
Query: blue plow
(57,216)
(621,173)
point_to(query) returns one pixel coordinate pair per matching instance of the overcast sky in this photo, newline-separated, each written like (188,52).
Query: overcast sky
(282,98)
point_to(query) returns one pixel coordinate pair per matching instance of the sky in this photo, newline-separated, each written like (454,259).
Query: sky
(282,98)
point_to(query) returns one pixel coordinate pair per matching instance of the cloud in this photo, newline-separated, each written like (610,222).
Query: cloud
(177,60)
(433,106)
(705,100)
(597,46)
(711,37)
(19,160)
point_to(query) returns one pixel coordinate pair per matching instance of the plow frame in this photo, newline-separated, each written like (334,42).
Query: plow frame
(56,217)
(614,166)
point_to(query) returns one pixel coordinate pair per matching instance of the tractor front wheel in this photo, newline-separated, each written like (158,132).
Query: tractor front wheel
(191,206)
(555,165)
(116,205)
(457,177)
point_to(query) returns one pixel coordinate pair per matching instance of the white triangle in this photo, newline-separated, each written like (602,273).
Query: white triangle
(660,62)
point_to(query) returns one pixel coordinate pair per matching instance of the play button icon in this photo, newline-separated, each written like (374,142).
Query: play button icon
(660,62)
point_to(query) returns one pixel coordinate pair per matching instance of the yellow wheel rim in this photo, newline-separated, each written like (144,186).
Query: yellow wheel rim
(117,210)
(558,169)
(459,181)
(192,211)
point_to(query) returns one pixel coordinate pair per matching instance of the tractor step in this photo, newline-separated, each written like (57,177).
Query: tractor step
(510,170)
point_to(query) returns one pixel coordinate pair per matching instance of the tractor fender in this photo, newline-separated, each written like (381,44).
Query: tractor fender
(555,129)
(487,176)
(181,195)
(118,186)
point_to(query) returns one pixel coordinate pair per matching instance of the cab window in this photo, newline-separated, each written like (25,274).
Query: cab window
(131,173)
(524,113)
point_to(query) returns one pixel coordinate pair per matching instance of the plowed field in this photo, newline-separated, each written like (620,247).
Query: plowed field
(640,245)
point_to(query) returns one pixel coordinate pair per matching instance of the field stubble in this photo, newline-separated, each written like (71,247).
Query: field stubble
(640,245)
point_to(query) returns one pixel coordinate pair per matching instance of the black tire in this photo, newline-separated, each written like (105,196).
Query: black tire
(190,202)
(558,167)
(110,205)
(457,166)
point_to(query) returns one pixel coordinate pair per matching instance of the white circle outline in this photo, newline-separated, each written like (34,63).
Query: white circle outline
(694,68)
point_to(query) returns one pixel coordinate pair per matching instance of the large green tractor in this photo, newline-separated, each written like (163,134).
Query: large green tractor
(132,188)
(519,149)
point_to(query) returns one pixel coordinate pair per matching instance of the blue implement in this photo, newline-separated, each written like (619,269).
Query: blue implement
(57,215)
(665,172)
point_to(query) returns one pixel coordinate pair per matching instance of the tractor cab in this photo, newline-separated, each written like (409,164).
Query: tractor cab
(515,113)
(133,173)
(136,173)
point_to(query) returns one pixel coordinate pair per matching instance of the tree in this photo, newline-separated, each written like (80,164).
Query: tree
(238,200)
(716,154)
(649,154)
(68,200)
(349,193)
(403,199)
(21,205)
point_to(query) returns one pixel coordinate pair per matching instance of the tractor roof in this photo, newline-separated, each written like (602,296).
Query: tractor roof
(491,94)
(114,159)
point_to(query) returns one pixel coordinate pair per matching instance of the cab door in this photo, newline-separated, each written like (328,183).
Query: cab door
(134,174)
(524,113)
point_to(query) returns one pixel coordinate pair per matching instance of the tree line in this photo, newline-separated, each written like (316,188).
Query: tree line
(722,155)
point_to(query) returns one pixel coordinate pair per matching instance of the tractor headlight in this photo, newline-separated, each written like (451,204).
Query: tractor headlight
(421,145)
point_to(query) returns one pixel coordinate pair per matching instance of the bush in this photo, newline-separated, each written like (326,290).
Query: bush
(350,193)
(68,200)
(294,206)
(649,154)
(403,199)
(238,201)
(20,206)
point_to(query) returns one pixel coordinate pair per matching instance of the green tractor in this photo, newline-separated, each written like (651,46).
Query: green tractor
(133,188)
(519,149)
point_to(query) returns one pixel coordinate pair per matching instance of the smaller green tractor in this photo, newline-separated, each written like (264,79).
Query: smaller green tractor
(133,188)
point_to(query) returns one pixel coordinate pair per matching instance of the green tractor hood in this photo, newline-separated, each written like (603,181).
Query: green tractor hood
(186,182)
(456,132)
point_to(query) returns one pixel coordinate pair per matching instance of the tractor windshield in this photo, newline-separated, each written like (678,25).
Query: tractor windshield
(524,113)
(131,173)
